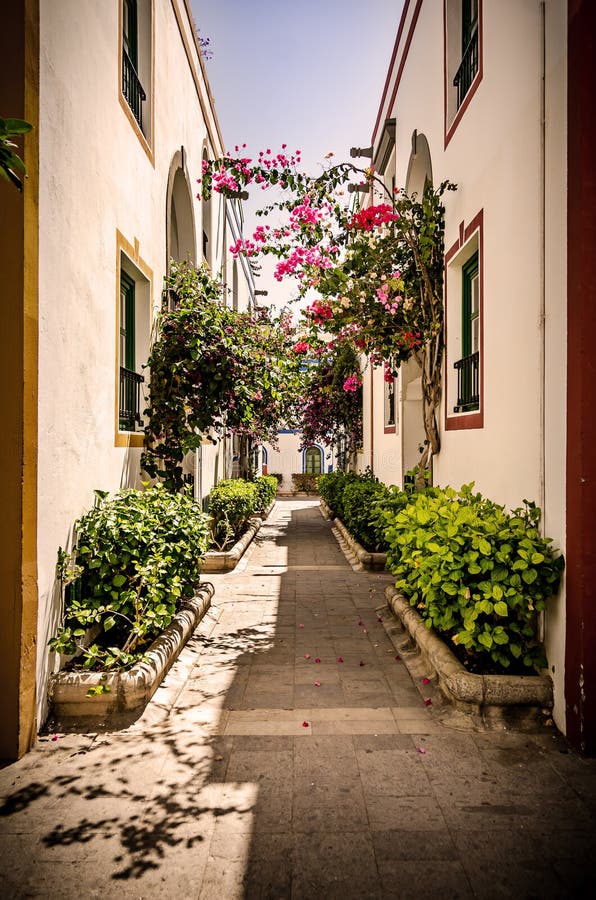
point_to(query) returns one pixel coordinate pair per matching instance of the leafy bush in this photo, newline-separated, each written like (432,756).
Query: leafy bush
(266,488)
(137,556)
(331,487)
(477,574)
(277,475)
(231,504)
(303,481)
(361,499)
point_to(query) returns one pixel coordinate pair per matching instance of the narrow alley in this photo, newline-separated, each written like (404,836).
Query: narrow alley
(289,754)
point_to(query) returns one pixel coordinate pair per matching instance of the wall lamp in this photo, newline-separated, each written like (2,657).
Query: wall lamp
(358,188)
(361,151)
(261,293)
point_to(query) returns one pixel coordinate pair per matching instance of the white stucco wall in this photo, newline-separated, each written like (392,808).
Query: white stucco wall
(287,459)
(95,179)
(494,156)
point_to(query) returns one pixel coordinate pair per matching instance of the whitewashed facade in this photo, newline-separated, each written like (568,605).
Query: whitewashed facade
(123,117)
(477,94)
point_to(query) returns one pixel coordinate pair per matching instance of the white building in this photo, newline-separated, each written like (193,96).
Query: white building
(490,96)
(289,458)
(123,117)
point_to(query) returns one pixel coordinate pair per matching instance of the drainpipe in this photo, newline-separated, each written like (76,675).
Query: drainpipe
(372,419)
(542,315)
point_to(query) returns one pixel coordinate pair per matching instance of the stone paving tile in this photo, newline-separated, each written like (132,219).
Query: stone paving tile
(221,791)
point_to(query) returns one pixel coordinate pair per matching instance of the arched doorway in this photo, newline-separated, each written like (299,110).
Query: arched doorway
(180,223)
(312,460)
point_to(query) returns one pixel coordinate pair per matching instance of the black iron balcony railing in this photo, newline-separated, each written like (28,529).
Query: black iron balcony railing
(130,399)
(467,68)
(468,393)
(132,88)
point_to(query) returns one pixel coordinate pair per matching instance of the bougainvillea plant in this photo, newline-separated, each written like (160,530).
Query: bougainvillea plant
(378,269)
(214,369)
(330,411)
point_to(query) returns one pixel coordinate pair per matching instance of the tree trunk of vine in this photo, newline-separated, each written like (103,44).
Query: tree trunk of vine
(431,358)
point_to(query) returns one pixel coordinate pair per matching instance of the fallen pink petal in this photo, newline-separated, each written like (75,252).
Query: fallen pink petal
(340,659)
(317,684)
(55,738)
(421,750)
(362,663)
(398,657)
(379,618)
(318,659)
(305,725)
(428,702)
(361,622)
(301,625)
(426,680)
(307,655)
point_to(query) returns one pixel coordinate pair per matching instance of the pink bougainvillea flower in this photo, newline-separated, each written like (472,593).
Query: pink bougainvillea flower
(317,684)
(428,702)
(364,631)
(362,663)
(307,655)
(318,659)
(56,738)
(301,625)
(426,680)
(379,618)
(305,725)
(421,750)
(340,659)
(361,622)
(398,657)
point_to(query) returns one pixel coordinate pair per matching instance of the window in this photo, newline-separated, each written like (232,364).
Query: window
(313,461)
(129,408)
(463,48)
(390,404)
(133,329)
(136,63)
(464,329)
(467,367)
(206,224)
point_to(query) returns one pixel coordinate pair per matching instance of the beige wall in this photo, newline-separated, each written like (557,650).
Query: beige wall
(103,187)
(494,156)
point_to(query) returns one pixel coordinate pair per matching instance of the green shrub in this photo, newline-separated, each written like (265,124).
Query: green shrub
(477,574)
(331,487)
(361,500)
(231,504)
(137,556)
(304,481)
(277,475)
(266,488)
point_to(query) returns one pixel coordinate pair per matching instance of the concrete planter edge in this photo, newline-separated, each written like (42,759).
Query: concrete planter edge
(129,691)
(492,695)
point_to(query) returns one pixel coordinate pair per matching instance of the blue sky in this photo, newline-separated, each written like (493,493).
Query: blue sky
(307,74)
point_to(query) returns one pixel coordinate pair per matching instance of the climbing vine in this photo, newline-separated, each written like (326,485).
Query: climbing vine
(378,270)
(214,368)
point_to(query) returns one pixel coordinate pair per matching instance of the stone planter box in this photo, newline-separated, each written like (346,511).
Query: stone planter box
(129,691)
(220,561)
(359,558)
(493,698)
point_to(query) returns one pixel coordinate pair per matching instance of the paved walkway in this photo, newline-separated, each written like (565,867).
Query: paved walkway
(260,771)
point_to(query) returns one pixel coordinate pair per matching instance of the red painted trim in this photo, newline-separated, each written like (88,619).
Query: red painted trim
(580,644)
(467,421)
(401,64)
(450,130)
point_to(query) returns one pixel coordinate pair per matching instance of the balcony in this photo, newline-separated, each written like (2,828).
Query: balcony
(467,68)
(129,416)
(468,392)
(132,88)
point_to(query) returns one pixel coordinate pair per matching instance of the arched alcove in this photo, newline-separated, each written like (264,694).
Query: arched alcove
(420,170)
(181,241)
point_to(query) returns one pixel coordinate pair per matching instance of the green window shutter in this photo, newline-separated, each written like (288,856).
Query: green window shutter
(127,322)
(469,306)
